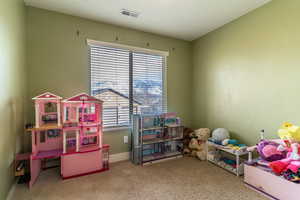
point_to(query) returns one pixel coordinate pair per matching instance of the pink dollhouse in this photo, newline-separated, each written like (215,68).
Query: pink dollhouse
(82,136)
(71,130)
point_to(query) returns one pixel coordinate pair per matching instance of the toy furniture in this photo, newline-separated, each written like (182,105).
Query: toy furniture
(82,136)
(21,165)
(156,138)
(215,156)
(70,130)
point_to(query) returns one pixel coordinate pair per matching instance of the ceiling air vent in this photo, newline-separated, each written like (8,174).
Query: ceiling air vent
(130,13)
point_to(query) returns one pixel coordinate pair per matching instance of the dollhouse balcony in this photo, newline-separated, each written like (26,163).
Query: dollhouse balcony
(47,154)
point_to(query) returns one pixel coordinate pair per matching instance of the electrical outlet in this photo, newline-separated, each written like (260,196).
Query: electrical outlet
(125,139)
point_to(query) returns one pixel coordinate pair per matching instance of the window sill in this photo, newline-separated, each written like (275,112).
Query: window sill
(112,129)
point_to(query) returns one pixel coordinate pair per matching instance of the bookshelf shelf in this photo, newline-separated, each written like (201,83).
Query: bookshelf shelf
(212,156)
(156,138)
(161,140)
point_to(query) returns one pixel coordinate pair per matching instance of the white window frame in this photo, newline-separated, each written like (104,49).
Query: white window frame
(134,49)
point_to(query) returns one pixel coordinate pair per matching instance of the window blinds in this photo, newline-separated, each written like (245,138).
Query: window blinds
(148,82)
(128,82)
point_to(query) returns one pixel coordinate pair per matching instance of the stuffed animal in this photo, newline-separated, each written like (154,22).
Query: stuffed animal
(292,162)
(186,140)
(268,151)
(290,134)
(220,134)
(197,144)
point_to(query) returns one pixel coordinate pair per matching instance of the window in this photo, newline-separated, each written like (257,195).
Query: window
(129,82)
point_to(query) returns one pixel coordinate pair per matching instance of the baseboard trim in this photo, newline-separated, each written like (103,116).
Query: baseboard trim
(119,157)
(12,190)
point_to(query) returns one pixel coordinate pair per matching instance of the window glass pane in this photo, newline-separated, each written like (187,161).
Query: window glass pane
(110,69)
(110,83)
(148,83)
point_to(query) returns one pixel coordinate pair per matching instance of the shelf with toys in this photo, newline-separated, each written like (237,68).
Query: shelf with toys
(158,140)
(229,149)
(155,157)
(153,128)
(71,130)
(226,153)
(156,137)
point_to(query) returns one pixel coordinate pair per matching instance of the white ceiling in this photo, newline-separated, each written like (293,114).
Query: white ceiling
(183,19)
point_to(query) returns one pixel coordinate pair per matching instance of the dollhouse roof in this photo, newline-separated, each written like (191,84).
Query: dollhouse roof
(47,95)
(83,97)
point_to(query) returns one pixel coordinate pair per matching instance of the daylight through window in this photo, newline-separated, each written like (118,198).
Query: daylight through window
(128,82)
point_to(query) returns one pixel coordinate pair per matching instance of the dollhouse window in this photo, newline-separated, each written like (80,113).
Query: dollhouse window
(128,81)
(50,107)
(92,109)
(43,136)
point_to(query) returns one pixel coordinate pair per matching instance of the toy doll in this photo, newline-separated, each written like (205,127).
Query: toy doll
(290,134)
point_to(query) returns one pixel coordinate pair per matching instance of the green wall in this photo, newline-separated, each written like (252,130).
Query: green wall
(246,74)
(243,76)
(12,87)
(58,60)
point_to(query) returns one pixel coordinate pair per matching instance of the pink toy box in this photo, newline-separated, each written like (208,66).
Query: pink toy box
(71,130)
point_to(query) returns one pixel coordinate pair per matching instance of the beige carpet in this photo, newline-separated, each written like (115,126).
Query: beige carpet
(185,178)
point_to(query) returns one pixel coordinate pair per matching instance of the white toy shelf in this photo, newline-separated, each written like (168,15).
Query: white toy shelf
(214,152)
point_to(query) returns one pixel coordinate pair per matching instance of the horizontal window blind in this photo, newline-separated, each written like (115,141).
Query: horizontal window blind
(148,82)
(128,82)
(110,83)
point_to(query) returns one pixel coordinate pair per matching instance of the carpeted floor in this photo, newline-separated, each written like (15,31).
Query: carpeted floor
(185,178)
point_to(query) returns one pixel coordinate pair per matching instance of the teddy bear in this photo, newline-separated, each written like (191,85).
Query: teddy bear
(186,140)
(197,143)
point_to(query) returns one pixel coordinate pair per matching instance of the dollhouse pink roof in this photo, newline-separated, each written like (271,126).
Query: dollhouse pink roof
(47,95)
(83,97)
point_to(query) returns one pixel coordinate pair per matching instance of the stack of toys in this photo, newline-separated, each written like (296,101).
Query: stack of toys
(227,163)
(282,157)
(70,130)
(290,165)
(221,136)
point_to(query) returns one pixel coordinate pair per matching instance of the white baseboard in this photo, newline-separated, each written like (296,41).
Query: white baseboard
(119,157)
(12,190)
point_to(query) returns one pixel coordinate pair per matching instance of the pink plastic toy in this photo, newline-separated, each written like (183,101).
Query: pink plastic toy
(292,162)
(47,109)
(70,130)
(82,125)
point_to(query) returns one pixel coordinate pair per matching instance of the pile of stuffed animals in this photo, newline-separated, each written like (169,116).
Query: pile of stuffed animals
(283,158)
(194,142)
